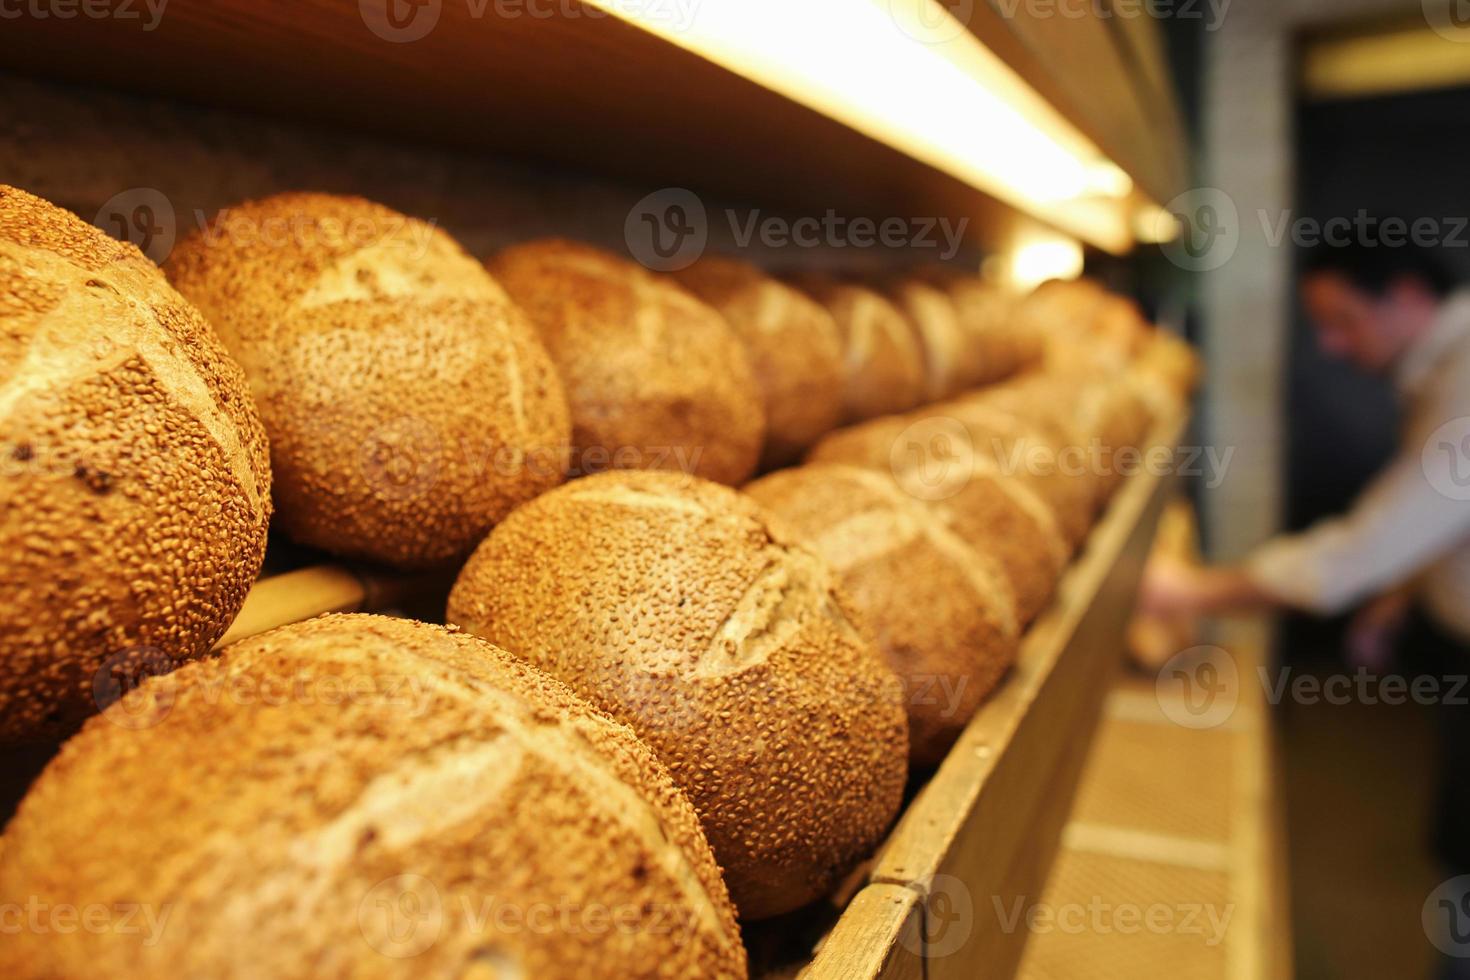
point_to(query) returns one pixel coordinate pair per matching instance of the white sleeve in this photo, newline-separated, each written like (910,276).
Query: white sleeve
(1399,526)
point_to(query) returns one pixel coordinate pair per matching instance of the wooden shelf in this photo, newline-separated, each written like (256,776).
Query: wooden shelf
(1183,817)
(989,822)
(583,90)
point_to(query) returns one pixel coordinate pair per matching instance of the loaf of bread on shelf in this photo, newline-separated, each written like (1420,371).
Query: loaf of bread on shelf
(794,349)
(940,446)
(135,491)
(883,367)
(656,379)
(943,613)
(684,610)
(1166,372)
(973,478)
(408,402)
(998,343)
(951,363)
(367,797)
(1056,407)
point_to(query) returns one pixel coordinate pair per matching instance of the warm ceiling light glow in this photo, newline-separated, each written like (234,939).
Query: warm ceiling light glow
(1412,58)
(906,73)
(1035,262)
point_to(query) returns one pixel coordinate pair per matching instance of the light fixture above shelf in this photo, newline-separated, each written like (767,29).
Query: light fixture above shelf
(865,107)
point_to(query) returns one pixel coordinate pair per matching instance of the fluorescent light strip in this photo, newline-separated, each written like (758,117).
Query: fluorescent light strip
(907,74)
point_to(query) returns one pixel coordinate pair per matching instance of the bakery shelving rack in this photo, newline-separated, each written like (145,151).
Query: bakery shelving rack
(570,88)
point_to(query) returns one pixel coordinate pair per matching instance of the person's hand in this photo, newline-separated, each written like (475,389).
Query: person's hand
(1170,588)
(1374,632)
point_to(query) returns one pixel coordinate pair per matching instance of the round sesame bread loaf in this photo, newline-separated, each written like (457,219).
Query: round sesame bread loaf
(793,345)
(1165,373)
(684,610)
(1006,519)
(656,379)
(940,447)
(409,404)
(883,368)
(358,796)
(943,613)
(951,363)
(999,343)
(966,476)
(135,495)
(1062,457)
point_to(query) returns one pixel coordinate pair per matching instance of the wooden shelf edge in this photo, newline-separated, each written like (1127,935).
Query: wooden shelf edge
(987,825)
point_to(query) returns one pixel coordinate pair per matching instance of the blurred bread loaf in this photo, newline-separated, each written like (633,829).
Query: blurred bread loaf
(973,477)
(656,379)
(951,364)
(135,495)
(366,797)
(794,349)
(683,609)
(940,446)
(998,343)
(883,367)
(408,402)
(943,613)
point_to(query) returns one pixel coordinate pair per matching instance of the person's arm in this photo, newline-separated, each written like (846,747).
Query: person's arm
(1175,588)
(1399,526)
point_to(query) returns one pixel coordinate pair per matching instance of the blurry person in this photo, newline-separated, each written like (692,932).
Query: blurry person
(1403,550)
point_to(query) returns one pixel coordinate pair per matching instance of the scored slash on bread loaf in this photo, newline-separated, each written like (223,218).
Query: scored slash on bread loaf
(136,494)
(883,366)
(682,609)
(943,612)
(374,820)
(410,404)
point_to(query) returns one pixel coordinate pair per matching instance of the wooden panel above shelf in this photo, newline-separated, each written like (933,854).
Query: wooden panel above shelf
(568,86)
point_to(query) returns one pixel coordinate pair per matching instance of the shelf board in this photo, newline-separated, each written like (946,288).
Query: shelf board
(579,89)
(989,822)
